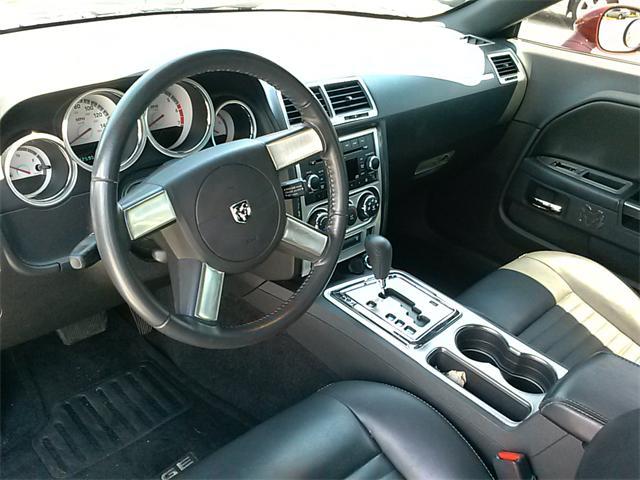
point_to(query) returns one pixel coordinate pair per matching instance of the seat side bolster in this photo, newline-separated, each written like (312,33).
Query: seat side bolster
(599,288)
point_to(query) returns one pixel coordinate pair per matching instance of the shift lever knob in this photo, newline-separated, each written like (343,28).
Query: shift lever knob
(380,252)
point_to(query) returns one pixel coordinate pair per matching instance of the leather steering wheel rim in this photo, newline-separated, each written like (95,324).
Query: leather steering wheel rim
(107,213)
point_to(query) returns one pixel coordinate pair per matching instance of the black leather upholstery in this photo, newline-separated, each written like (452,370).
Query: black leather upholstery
(593,393)
(614,452)
(350,430)
(565,306)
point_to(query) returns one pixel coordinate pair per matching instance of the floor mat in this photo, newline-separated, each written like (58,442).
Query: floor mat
(112,407)
(98,422)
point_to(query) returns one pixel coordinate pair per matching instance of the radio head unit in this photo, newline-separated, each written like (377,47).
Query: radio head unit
(364,170)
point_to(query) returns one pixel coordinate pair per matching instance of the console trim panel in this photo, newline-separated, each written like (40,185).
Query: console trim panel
(444,339)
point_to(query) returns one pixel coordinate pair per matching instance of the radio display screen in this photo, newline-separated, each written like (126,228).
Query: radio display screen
(352,168)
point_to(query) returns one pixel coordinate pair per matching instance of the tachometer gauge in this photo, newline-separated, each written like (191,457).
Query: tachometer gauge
(38,169)
(85,121)
(179,119)
(234,120)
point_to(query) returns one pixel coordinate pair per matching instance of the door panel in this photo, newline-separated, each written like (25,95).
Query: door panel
(578,186)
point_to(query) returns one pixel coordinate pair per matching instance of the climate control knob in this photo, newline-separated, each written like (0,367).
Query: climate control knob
(368,206)
(313,182)
(319,219)
(373,163)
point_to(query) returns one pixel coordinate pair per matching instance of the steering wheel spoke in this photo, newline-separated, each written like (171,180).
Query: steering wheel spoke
(293,145)
(302,240)
(197,288)
(146,210)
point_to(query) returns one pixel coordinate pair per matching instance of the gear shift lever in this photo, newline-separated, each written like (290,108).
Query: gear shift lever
(380,252)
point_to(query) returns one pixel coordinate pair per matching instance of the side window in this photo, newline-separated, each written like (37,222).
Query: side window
(600,27)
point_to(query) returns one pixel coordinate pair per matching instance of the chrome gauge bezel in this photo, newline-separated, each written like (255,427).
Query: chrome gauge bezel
(54,142)
(141,141)
(207,133)
(248,111)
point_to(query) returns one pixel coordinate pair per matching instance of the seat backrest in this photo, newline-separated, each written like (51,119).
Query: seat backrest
(614,453)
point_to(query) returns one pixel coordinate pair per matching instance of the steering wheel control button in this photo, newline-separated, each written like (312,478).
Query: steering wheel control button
(238,213)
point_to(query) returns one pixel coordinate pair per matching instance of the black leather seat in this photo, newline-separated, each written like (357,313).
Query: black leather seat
(353,430)
(364,430)
(565,306)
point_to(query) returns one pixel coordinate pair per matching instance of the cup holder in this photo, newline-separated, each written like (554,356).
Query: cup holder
(522,371)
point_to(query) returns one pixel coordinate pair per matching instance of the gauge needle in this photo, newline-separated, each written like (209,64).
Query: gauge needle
(156,120)
(21,170)
(81,135)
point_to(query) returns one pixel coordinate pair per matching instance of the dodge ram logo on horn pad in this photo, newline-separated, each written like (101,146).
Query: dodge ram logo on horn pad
(241,211)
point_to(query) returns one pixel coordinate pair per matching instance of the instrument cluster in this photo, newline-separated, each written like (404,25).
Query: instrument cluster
(41,169)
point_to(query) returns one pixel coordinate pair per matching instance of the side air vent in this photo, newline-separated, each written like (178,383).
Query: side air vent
(505,67)
(479,41)
(292,112)
(347,97)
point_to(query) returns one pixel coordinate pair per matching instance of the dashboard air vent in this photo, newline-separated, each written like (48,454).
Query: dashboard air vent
(347,97)
(323,101)
(473,40)
(292,112)
(505,66)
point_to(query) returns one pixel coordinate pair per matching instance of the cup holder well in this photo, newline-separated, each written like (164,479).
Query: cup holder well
(523,371)
(476,384)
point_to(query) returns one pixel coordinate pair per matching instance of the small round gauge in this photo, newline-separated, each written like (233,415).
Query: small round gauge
(234,121)
(31,168)
(85,121)
(179,119)
(38,169)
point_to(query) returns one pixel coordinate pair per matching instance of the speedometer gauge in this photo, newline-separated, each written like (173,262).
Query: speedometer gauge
(85,121)
(179,119)
(38,170)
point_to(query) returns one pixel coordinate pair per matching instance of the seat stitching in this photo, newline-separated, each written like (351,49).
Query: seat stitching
(580,408)
(441,416)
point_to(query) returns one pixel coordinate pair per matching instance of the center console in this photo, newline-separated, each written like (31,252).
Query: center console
(489,366)
(361,153)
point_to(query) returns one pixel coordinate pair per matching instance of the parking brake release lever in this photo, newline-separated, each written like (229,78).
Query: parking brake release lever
(380,254)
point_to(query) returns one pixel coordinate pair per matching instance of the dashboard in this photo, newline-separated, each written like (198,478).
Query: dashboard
(404,102)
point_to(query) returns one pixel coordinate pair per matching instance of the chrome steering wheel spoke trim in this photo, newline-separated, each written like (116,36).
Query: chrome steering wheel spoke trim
(302,240)
(147,211)
(293,145)
(197,289)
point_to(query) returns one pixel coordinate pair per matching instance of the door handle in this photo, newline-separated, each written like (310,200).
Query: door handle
(546,205)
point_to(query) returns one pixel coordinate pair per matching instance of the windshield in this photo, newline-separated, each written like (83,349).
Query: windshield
(24,13)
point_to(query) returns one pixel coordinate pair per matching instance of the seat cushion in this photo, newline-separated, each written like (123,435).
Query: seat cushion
(565,306)
(353,430)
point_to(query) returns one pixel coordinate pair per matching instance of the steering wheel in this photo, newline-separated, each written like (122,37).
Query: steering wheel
(220,210)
